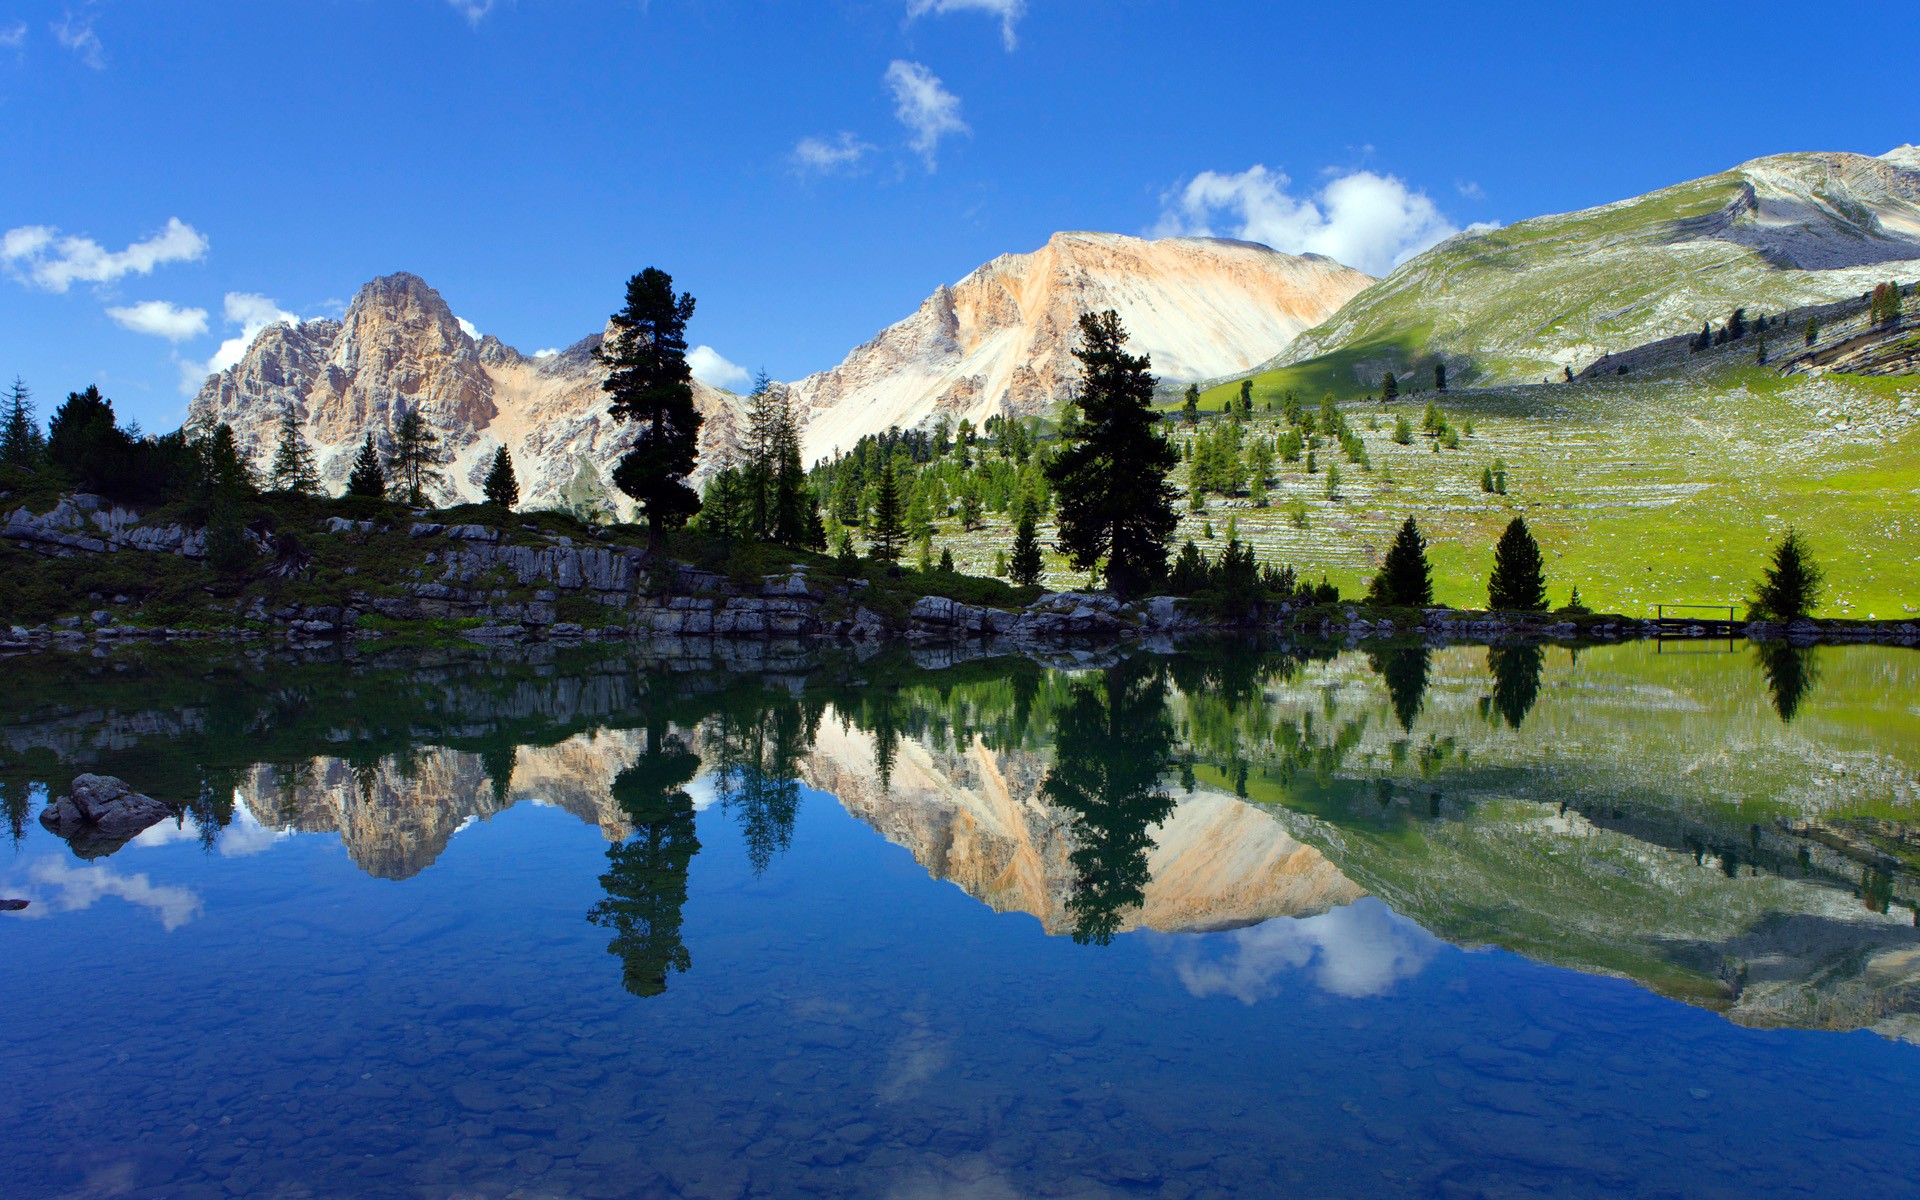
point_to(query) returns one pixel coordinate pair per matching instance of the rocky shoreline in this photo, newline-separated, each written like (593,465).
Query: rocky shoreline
(484,584)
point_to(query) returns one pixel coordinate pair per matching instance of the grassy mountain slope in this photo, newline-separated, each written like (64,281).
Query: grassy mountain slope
(1521,302)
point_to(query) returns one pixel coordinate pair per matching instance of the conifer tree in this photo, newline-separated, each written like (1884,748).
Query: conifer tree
(1789,586)
(1389,387)
(1440,377)
(1813,330)
(293,470)
(502,489)
(1245,408)
(1025,564)
(368,478)
(1404,580)
(223,473)
(415,461)
(1192,407)
(969,510)
(1518,583)
(946,560)
(649,383)
(1259,471)
(21,443)
(888,527)
(1113,500)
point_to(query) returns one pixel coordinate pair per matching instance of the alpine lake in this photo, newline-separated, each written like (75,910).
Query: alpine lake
(1226,920)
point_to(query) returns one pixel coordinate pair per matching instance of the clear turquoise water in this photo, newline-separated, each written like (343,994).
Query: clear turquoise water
(266,1018)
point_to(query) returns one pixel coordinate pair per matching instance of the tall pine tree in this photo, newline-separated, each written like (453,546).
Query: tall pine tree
(1025,564)
(21,443)
(414,465)
(1113,500)
(368,477)
(650,384)
(293,470)
(1518,583)
(501,489)
(1404,579)
(889,529)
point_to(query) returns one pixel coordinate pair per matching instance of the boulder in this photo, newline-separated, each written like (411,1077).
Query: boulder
(101,813)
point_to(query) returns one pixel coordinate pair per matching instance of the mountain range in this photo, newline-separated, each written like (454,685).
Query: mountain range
(1496,305)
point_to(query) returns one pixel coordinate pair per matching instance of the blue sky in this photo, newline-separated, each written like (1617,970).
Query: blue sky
(173,174)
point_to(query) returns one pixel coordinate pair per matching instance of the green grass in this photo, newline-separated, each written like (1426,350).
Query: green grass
(1640,489)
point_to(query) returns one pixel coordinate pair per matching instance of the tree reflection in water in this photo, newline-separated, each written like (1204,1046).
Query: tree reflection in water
(646,879)
(1790,671)
(1404,670)
(1113,742)
(1516,680)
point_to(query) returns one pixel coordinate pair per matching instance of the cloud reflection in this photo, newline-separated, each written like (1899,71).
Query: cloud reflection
(58,887)
(1360,949)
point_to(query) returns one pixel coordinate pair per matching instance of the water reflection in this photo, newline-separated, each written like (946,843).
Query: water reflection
(1360,949)
(1219,790)
(1113,741)
(1790,672)
(646,879)
(1516,680)
(1404,671)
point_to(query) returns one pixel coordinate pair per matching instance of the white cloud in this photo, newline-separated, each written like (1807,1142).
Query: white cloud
(1373,222)
(924,106)
(37,253)
(549,352)
(1009,12)
(251,313)
(823,156)
(77,35)
(472,10)
(467,327)
(709,368)
(161,319)
(14,36)
(1361,949)
(1469,189)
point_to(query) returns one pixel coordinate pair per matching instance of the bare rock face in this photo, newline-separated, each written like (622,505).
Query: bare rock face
(998,341)
(1001,340)
(399,346)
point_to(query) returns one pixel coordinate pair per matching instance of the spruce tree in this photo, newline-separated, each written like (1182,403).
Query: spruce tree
(1518,583)
(1404,580)
(222,473)
(1440,377)
(946,560)
(1245,408)
(1192,407)
(1389,387)
(21,443)
(888,521)
(293,470)
(368,477)
(1789,586)
(1025,564)
(501,489)
(415,462)
(1113,500)
(649,383)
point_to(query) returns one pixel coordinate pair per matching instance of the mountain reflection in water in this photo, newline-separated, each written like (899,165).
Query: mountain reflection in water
(1738,833)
